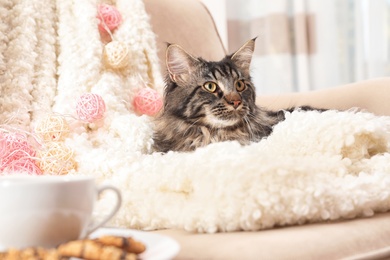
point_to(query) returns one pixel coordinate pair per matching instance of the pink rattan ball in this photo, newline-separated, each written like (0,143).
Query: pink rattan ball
(25,165)
(147,101)
(90,107)
(14,147)
(109,16)
(2,144)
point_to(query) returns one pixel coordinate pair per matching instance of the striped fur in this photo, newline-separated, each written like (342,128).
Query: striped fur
(193,117)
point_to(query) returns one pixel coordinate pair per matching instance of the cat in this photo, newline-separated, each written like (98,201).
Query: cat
(207,102)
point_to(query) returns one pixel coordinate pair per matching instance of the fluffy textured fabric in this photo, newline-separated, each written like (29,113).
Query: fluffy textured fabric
(314,167)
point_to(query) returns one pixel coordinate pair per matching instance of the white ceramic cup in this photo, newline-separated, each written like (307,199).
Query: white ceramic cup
(49,210)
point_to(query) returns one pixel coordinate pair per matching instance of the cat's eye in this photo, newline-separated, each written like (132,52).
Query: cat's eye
(210,86)
(240,85)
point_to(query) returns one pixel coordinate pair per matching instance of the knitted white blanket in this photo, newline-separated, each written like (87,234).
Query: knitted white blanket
(314,167)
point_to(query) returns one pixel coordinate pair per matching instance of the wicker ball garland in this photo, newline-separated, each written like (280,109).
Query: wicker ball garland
(147,101)
(109,17)
(90,107)
(52,128)
(17,154)
(116,54)
(56,158)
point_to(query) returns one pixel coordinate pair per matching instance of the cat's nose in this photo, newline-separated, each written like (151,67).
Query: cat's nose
(233,99)
(236,103)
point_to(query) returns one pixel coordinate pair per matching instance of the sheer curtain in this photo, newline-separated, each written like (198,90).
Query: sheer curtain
(310,44)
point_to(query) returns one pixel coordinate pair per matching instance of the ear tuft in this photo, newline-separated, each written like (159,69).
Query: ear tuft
(179,62)
(243,57)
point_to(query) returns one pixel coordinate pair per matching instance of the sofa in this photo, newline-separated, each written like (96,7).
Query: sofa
(189,23)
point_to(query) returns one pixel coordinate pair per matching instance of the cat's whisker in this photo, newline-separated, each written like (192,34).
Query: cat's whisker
(190,126)
(249,127)
(263,125)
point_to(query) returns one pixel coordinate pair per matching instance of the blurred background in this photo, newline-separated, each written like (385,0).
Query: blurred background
(308,44)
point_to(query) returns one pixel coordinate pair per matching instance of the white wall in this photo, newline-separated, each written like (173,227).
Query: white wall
(217,9)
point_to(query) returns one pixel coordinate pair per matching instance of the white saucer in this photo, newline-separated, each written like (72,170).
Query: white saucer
(158,247)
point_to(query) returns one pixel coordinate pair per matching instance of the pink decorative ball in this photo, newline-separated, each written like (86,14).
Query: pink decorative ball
(25,166)
(2,144)
(109,16)
(90,107)
(14,147)
(147,101)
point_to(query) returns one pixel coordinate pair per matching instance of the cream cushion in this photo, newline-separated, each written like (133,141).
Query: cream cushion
(352,239)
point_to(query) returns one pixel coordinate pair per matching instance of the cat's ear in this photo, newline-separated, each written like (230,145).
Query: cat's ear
(179,63)
(243,57)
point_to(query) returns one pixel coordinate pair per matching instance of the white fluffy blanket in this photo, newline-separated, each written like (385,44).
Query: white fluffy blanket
(314,167)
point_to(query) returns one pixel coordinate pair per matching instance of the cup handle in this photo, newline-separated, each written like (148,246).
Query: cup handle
(117,206)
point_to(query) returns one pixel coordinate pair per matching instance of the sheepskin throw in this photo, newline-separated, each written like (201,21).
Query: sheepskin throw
(314,167)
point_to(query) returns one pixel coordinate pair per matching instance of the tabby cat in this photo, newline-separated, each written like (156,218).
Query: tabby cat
(207,102)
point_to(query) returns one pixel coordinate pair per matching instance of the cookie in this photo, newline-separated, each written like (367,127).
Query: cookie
(93,250)
(126,243)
